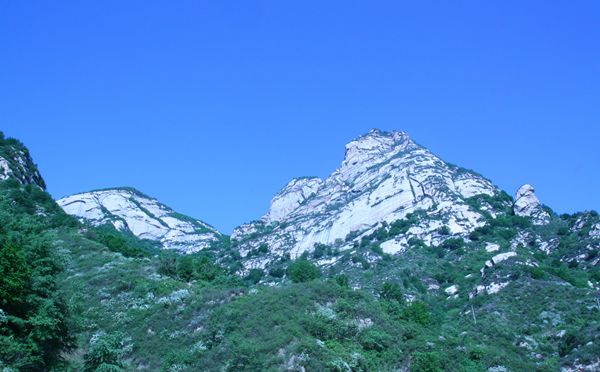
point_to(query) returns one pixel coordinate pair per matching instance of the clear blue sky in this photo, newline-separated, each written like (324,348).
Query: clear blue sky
(213,106)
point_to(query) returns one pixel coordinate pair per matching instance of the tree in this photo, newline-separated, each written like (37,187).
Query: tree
(417,312)
(302,270)
(105,352)
(14,275)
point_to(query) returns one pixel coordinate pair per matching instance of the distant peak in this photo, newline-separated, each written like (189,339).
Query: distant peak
(375,132)
(120,189)
(375,145)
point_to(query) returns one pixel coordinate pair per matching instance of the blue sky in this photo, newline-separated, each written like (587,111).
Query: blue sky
(213,106)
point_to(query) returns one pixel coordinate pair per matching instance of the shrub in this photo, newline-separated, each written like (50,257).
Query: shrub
(426,362)
(319,252)
(255,275)
(106,352)
(375,340)
(392,292)
(569,342)
(453,244)
(342,280)
(417,312)
(302,270)
(537,273)
(376,248)
(263,248)
(277,272)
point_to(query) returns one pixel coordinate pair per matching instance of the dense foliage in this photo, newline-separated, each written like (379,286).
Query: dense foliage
(33,316)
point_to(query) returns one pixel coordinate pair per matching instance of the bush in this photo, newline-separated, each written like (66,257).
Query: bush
(375,340)
(342,281)
(537,273)
(417,312)
(190,267)
(105,352)
(277,272)
(426,362)
(255,275)
(391,292)
(320,251)
(120,242)
(302,270)
(453,244)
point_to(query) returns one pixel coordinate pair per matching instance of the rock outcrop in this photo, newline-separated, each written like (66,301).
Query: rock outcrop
(384,177)
(16,163)
(129,210)
(527,204)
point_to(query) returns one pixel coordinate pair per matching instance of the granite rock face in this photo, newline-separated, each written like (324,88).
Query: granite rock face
(16,163)
(527,204)
(129,210)
(384,177)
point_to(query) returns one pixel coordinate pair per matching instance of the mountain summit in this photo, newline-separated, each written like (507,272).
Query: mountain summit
(130,210)
(385,177)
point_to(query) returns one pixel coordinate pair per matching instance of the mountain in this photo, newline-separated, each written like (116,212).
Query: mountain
(16,163)
(398,261)
(145,217)
(385,177)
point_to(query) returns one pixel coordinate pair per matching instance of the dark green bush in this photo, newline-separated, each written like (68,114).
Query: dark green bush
(391,291)
(255,275)
(302,270)
(426,362)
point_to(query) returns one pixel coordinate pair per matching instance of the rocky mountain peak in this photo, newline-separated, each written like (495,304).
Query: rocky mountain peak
(130,210)
(527,204)
(375,147)
(385,177)
(16,163)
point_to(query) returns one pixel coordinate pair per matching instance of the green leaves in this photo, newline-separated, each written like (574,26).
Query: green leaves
(302,270)
(14,276)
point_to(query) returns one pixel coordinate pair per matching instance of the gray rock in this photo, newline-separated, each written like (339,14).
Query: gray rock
(527,204)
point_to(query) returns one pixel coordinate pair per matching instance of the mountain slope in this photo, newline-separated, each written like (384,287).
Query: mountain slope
(384,177)
(16,163)
(515,293)
(129,210)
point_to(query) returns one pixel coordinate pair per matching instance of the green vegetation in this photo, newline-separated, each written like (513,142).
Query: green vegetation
(77,297)
(302,271)
(33,315)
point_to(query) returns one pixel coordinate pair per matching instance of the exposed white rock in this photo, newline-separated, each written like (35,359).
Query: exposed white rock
(595,231)
(383,178)
(144,217)
(496,260)
(491,247)
(5,169)
(496,287)
(451,291)
(20,167)
(291,197)
(503,257)
(527,204)
(433,287)
(393,246)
